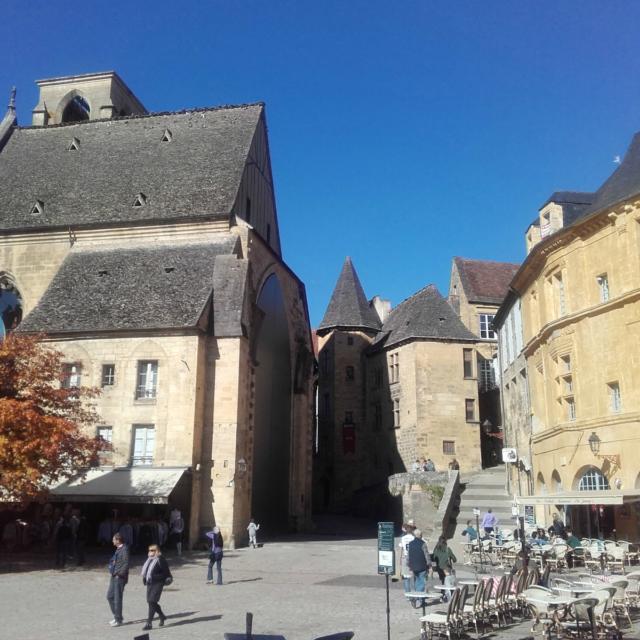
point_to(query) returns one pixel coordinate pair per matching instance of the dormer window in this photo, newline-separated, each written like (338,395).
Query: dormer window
(140,200)
(38,208)
(545,224)
(167,136)
(74,145)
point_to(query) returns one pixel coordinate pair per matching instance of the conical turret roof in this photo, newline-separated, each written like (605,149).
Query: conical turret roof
(348,307)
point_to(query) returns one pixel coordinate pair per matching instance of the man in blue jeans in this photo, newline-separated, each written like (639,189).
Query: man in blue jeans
(119,570)
(418,560)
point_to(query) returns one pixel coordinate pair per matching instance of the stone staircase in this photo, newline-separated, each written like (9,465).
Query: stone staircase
(483,490)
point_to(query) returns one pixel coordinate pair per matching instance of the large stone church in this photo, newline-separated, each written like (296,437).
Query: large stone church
(146,247)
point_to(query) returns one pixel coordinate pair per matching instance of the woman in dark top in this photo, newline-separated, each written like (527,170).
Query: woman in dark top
(215,556)
(155,574)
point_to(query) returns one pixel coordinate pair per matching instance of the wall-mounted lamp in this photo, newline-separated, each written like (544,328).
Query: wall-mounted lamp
(594,445)
(241,466)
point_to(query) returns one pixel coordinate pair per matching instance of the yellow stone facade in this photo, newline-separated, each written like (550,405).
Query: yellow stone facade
(580,295)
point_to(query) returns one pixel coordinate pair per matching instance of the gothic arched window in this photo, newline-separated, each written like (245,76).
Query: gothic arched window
(77,109)
(10,306)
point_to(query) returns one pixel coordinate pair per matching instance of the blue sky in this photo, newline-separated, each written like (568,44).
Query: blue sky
(401,133)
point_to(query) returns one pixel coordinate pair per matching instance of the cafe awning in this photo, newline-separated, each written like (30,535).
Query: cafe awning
(131,484)
(580,498)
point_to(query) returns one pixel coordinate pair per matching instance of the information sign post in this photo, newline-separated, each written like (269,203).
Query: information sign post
(386,561)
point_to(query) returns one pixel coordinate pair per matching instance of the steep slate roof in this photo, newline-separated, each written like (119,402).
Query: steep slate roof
(348,306)
(485,281)
(196,174)
(623,183)
(141,288)
(425,314)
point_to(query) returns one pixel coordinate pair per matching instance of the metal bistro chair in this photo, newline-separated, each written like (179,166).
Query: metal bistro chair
(577,619)
(496,602)
(486,597)
(472,612)
(442,622)
(605,619)
(620,600)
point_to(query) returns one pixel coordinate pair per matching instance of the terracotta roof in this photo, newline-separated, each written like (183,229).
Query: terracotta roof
(348,306)
(485,281)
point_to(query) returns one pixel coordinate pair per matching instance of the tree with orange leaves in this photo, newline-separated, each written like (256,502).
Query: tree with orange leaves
(42,425)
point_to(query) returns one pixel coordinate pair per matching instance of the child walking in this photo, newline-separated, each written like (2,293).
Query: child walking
(252,529)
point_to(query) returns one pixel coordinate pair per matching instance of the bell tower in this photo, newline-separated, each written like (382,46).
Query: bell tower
(91,96)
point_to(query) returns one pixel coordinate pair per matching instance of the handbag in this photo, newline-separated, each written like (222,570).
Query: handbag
(167,581)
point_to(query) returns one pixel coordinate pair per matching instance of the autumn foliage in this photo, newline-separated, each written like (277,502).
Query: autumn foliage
(42,426)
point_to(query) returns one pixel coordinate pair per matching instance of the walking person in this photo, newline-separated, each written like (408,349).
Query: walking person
(405,571)
(64,540)
(444,559)
(418,560)
(489,521)
(176,530)
(155,575)
(252,529)
(217,544)
(119,570)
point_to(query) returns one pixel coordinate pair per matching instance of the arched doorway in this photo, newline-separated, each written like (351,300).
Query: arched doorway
(593,520)
(10,305)
(272,410)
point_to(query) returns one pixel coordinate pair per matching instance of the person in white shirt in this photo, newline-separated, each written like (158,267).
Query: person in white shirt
(406,538)
(252,529)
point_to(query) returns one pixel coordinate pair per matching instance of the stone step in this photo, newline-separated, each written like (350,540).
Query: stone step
(484,501)
(499,493)
(490,484)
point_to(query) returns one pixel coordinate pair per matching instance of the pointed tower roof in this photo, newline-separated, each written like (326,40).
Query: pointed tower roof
(348,306)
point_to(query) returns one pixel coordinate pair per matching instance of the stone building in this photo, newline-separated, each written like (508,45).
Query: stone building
(476,290)
(393,386)
(146,246)
(579,289)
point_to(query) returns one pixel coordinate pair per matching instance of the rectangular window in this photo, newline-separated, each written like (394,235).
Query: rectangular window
(615,399)
(377,378)
(108,375)
(71,375)
(449,447)
(348,417)
(324,359)
(396,413)
(470,410)
(485,326)
(571,409)
(486,374)
(394,367)
(562,304)
(350,373)
(377,416)
(106,433)
(144,444)
(603,286)
(565,364)
(467,359)
(147,387)
(247,216)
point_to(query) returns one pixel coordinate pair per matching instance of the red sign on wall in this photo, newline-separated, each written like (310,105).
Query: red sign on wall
(348,438)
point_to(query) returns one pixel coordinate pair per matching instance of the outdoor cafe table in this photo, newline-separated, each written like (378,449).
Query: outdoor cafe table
(423,596)
(576,590)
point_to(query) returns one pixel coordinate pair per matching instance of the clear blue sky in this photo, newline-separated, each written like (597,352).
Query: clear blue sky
(402,133)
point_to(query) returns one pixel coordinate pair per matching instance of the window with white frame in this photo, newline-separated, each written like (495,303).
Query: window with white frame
(615,400)
(485,326)
(144,444)
(71,375)
(486,374)
(396,413)
(571,409)
(105,433)
(603,286)
(593,480)
(108,375)
(147,386)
